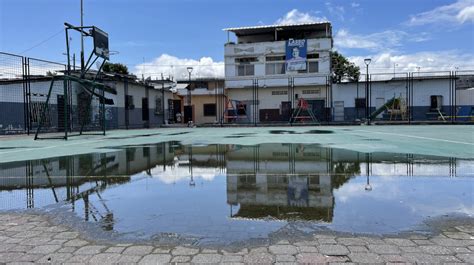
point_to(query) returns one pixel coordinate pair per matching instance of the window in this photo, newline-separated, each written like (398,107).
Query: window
(245,69)
(313,67)
(146,151)
(158,106)
(245,66)
(275,58)
(129,102)
(313,91)
(275,65)
(281,92)
(312,56)
(246,60)
(360,102)
(275,68)
(209,109)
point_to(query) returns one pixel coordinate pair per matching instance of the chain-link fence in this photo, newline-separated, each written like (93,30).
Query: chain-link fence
(405,98)
(288,100)
(13,100)
(408,97)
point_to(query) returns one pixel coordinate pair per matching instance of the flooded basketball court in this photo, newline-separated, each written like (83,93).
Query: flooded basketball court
(217,193)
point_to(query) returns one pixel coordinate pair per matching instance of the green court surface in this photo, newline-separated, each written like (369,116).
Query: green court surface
(440,140)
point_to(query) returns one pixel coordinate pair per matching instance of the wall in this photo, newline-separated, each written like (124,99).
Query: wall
(11,107)
(261,50)
(422,90)
(198,102)
(135,117)
(272,103)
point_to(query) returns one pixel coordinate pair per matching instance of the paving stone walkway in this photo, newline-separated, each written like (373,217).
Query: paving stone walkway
(28,238)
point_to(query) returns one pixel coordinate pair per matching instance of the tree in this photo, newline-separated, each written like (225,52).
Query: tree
(342,69)
(49,73)
(117,68)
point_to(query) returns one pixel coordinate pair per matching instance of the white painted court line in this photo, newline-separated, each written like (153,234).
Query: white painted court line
(48,147)
(416,137)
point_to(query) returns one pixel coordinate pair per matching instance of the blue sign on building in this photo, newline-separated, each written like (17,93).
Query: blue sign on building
(296,51)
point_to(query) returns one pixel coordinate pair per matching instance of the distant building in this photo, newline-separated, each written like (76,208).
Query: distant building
(204,105)
(286,62)
(134,104)
(423,97)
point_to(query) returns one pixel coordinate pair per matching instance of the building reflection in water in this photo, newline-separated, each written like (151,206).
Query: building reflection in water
(277,181)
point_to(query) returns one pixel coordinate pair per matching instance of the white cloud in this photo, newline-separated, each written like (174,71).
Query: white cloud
(336,10)
(355,5)
(459,12)
(466,14)
(384,40)
(177,67)
(297,17)
(383,62)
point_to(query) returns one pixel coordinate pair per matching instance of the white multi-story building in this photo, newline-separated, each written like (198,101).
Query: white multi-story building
(257,76)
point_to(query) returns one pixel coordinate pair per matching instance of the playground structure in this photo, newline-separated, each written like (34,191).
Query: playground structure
(80,104)
(303,107)
(395,107)
(235,110)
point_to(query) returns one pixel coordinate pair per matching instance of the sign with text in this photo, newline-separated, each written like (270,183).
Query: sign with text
(296,51)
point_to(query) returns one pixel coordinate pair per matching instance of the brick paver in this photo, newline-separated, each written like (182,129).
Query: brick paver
(20,242)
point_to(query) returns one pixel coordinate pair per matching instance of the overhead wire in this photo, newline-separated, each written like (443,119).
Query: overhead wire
(43,41)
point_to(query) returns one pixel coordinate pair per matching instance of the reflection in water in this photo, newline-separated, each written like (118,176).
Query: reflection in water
(231,189)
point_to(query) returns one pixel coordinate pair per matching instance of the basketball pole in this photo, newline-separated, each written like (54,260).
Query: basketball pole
(82,37)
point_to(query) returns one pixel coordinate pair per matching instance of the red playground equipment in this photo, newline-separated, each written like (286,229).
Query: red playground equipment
(302,108)
(235,110)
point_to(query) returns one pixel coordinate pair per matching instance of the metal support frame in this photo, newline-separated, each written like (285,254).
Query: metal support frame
(66,79)
(329,101)
(255,103)
(126,109)
(291,97)
(26,105)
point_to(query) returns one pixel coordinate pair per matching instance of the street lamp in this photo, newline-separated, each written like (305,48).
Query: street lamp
(188,101)
(368,171)
(368,187)
(367,61)
(191,182)
(394,65)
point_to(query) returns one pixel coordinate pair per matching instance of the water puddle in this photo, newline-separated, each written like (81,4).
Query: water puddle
(234,193)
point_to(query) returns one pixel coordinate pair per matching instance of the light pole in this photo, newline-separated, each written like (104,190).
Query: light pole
(368,187)
(367,61)
(394,65)
(188,101)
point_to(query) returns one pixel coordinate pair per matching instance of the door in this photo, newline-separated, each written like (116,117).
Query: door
(176,110)
(60,107)
(188,113)
(338,110)
(379,102)
(145,110)
(285,110)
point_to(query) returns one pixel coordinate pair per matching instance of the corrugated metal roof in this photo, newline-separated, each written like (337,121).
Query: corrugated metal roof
(276,26)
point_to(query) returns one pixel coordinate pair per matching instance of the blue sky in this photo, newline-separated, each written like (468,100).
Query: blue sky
(153,35)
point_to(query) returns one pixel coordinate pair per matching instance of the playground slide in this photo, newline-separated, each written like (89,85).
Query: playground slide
(382,108)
